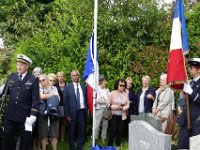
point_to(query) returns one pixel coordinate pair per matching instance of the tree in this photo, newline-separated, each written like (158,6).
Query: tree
(193,27)
(133,36)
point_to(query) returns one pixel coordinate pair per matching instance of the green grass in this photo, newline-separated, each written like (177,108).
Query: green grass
(64,145)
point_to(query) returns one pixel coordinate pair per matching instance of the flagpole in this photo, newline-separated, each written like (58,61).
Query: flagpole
(95,69)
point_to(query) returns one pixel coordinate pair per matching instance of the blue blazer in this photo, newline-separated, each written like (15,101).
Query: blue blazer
(24,97)
(69,100)
(148,103)
(194,104)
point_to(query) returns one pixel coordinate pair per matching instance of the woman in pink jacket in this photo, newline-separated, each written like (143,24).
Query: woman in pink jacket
(119,103)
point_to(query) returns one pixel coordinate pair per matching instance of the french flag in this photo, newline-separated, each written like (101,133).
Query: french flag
(91,72)
(176,72)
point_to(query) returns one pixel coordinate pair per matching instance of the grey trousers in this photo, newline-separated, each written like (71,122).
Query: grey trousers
(101,122)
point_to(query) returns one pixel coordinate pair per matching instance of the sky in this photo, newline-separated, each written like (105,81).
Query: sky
(165,1)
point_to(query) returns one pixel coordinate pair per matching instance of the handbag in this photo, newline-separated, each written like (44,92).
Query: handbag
(50,107)
(171,123)
(107,114)
(43,109)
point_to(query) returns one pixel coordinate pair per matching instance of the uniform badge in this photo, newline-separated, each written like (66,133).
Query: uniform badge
(28,83)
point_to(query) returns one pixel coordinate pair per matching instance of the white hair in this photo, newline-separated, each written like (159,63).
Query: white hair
(146,77)
(163,76)
(37,70)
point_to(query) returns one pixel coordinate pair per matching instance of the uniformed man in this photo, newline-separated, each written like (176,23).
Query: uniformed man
(193,91)
(23,105)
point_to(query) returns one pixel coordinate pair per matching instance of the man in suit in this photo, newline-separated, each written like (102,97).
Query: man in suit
(75,108)
(193,91)
(23,105)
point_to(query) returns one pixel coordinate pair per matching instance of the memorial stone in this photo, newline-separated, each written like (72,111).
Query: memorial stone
(195,143)
(142,136)
(149,118)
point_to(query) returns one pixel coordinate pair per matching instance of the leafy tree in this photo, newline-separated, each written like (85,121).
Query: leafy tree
(133,36)
(193,27)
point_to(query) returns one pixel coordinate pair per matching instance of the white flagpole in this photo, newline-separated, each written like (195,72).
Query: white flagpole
(95,69)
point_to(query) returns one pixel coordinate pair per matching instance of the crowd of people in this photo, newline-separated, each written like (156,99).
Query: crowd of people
(49,104)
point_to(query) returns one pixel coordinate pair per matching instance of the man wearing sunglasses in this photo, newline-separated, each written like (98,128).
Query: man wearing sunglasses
(23,105)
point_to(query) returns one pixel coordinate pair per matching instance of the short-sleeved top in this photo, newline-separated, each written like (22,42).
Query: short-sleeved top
(49,90)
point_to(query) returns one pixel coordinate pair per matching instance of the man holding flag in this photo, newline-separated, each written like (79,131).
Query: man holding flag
(176,76)
(193,91)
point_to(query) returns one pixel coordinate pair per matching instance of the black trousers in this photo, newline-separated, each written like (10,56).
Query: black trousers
(115,130)
(78,127)
(10,129)
(185,134)
(125,127)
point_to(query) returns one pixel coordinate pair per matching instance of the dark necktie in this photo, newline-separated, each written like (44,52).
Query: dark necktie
(20,77)
(77,97)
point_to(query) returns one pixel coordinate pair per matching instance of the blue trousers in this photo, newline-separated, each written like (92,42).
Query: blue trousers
(185,134)
(78,126)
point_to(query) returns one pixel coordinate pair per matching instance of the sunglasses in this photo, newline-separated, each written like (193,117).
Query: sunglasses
(42,80)
(122,85)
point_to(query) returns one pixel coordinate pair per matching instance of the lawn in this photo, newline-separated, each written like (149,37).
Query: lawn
(64,145)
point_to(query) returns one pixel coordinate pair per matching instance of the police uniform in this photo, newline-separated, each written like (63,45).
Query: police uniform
(194,106)
(23,103)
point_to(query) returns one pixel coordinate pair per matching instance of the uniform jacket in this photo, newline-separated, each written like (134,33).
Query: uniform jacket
(24,97)
(70,101)
(194,102)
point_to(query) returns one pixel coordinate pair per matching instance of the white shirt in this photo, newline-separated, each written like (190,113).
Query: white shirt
(82,104)
(141,104)
(196,79)
(23,75)
(102,97)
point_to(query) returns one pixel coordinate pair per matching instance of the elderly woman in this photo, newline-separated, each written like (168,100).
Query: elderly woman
(47,127)
(101,102)
(145,97)
(52,79)
(37,71)
(164,102)
(119,102)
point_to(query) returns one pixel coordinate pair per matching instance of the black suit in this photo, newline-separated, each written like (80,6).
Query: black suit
(23,102)
(194,102)
(78,116)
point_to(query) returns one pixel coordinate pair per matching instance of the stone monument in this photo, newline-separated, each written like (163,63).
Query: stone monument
(195,143)
(149,118)
(142,136)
